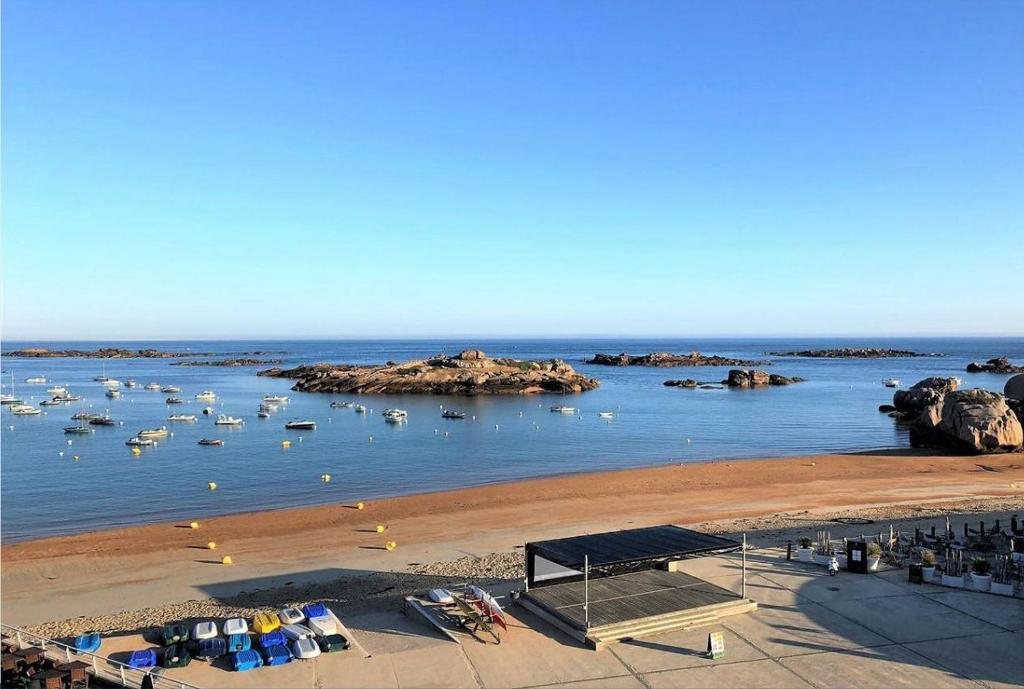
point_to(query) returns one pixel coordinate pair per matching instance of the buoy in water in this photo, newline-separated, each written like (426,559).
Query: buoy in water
(136,451)
(76,458)
(286,444)
(326,478)
(381,528)
(226,560)
(390,545)
(371,438)
(212,485)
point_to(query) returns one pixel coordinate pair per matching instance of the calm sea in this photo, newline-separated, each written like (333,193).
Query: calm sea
(45,491)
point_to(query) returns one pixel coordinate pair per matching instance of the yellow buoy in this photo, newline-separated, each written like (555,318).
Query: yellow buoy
(390,545)
(212,485)
(76,458)
(226,560)
(193,525)
(360,506)
(213,546)
(286,444)
(381,528)
(136,451)
(326,478)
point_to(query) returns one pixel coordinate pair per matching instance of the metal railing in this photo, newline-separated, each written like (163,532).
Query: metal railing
(101,667)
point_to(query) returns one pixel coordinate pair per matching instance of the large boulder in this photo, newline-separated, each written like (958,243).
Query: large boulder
(746,378)
(930,391)
(998,365)
(979,421)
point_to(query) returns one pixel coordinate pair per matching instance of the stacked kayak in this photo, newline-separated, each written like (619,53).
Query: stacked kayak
(142,659)
(247,660)
(212,648)
(87,643)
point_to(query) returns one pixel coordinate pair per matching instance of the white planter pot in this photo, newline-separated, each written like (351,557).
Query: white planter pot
(805,554)
(873,563)
(981,582)
(1001,589)
(952,582)
(928,573)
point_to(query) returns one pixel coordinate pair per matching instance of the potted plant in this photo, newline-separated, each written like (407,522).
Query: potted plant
(981,577)
(805,552)
(874,556)
(927,564)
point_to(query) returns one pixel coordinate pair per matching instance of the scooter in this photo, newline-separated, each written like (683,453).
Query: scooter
(833,566)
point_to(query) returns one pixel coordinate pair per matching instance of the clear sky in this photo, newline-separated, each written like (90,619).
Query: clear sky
(193,168)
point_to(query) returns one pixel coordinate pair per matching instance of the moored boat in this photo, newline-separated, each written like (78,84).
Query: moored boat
(161,432)
(341,405)
(395,415)
(563,409)
(225,420)
(79,430)
(301,424)
(84,416)
(452,414)
(211,441)
(170,389)
(9,399)
(102,421)
(111,383)
(113,393)
(130,383)
(182,417)
(25,410)
(606,414)
(153,386)
(56,389)
(51,403)
(206,395)
(36,380)
(174,400)
(891,382)
(140,442)
(208,410)
(360,409)
(66,398)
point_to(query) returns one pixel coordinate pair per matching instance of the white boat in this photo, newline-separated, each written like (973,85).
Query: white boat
(297,631)
(25,410)
(206,395)
(236,625)
(111,383)
(225,420)
(208,411)
(395,414)
(341,405)
(9,399)
(51,403)
(891,382)
(606,414)
(174,400)
(275,399)
(66,397)
(130,383)
(140,442)
(301,424)
(322,626)
(80,429)
(269,408)
(113,393)
(562,409)
(36,380)
(153,386)
(360,409)
(290,616)
(161,432)
(305,649)
(182,417)
(170,389)
(57,390)
(263,414)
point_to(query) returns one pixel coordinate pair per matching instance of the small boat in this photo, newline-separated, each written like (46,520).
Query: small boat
(211,441)
(87,643)
(301,424)
(84,416)
(25,410)
(208,410)
(341,405)
(102,421)
(452,414)
(51,403)
(225,420)
(161,432)
(66,398)
(395,415)
(360,409)
(113,393)
(891,382)
(79,430)
(9,399)
(36,380)
(140,442)
(189,418)
(275,399)
(130,383)
(269,408)
(170,389)
(206,395)
(153,386)
(174,400)
(562,409)
(56,390)
(606,414)
(263,414)
(101,379)
(111,383)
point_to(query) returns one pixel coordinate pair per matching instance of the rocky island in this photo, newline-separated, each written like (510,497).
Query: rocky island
(739,378)
(666,359)
(854,353)
(469,373)
(229,362)
(109,353)
(997,365)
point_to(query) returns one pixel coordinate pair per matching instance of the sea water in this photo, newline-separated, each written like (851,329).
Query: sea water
(47,491)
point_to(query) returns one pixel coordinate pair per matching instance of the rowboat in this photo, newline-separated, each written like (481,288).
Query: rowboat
(301,424)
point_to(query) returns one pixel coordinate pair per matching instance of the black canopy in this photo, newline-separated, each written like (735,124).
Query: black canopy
(630,546)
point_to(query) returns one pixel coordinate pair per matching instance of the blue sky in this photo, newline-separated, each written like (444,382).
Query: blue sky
(194,169)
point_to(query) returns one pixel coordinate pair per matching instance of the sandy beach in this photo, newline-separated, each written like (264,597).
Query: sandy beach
(147,566)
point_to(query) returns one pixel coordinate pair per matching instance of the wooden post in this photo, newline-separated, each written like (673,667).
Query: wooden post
(743,580)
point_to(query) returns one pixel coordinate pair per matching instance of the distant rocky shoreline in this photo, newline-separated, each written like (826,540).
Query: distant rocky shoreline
(469,373)
(667,359)
(113,353)
(854,353)
(230,362)
(997,365)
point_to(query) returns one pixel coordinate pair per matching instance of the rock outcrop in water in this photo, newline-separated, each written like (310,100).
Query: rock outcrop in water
(229,362)
(739,378)
(997,365)
(109,353)
(967,421)
(854,353)
(667,359)
(470,373)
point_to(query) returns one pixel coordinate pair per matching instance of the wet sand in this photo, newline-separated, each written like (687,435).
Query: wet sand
(125,569)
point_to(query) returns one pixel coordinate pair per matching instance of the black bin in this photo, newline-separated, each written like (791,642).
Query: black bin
(857,557)
(915,574)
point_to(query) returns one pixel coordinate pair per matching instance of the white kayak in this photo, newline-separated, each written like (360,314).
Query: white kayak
(297,631)
(322,626)
(305,649)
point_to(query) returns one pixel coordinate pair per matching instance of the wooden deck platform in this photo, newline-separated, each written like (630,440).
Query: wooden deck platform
(628,605)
